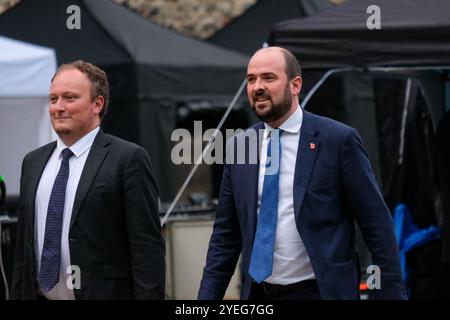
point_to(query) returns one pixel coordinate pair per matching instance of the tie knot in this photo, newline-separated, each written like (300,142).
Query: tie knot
(66,154)
(276,132)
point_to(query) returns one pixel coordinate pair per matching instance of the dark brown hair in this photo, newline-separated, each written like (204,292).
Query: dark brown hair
(292,66)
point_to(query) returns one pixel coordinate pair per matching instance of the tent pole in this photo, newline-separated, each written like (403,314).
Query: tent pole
(321,81)
(200,158)
(383,69)
(417,68)
(404,117)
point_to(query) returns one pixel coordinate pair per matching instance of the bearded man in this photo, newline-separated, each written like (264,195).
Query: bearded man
(294,224)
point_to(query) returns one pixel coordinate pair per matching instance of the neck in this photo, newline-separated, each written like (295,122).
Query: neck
(277,123)
(69,140)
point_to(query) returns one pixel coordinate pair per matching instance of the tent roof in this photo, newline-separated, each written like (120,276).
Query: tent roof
(169,63)
(413,32)
(25,69)
(43,22)
(151,44)
(109,34)
(248,32)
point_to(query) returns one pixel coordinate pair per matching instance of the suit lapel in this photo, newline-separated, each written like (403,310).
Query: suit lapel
(308,149)
(38,165)
(96,156)
(252,171)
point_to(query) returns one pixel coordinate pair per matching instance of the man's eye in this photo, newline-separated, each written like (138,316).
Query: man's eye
(250,80)
(270,78)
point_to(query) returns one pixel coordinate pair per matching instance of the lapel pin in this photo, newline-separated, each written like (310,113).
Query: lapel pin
(312,146)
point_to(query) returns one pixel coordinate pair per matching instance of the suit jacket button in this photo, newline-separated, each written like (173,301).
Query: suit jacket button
(72,239)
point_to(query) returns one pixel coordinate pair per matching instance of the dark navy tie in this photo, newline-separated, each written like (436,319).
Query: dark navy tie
(261,262)
(51,252)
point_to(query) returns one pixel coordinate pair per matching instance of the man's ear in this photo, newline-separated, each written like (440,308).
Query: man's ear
(296,85)
(99,104)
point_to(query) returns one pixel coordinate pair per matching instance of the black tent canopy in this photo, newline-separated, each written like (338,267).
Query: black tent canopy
(249,31)
(112,35)
(413,32)
(150,69)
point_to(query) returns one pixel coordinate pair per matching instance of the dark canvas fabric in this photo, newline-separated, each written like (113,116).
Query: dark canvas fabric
(151,69)
(413,32)
(249,31)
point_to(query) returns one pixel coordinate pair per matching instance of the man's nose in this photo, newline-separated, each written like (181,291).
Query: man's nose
(59,105)
(259,85)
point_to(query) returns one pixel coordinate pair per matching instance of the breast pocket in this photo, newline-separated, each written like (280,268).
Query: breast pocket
(105,199)
(116,271)
(107,189)
(323,189)
(323,182)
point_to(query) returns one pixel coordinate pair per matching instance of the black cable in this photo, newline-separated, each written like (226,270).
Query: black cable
(2,191)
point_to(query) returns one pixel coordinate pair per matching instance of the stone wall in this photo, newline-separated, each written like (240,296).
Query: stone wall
(6,4)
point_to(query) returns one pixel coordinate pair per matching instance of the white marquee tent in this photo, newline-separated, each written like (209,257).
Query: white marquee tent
(25,74)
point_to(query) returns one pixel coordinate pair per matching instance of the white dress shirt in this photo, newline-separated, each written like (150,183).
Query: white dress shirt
(291,262)
(76,164)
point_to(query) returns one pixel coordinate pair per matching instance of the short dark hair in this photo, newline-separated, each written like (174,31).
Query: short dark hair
(98,78)
(292,66)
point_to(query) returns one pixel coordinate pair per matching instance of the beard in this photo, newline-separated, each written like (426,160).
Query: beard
(63,131)
(276,111)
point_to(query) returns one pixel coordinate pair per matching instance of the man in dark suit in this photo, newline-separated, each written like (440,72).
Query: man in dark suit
(292,213)
(88,224)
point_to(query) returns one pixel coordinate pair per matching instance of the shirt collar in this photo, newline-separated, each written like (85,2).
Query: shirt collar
(81,146)
(291,125)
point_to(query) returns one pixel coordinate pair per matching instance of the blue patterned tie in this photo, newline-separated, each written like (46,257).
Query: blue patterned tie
(262,255)
(51,252)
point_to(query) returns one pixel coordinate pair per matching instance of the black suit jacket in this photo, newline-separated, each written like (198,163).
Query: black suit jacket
(115,232)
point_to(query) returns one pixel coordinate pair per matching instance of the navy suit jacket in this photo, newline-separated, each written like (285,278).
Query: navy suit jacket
(334,184)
